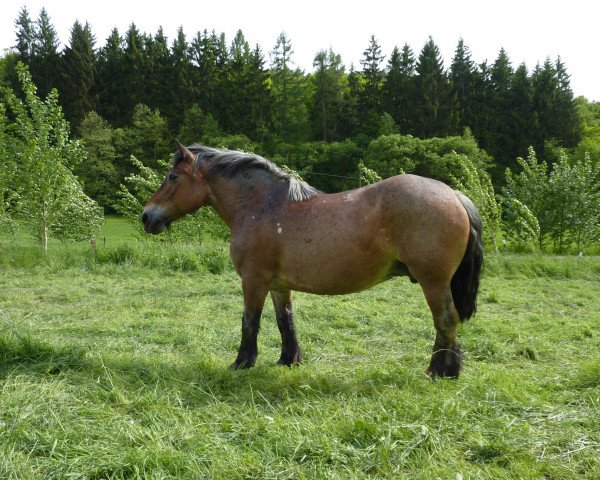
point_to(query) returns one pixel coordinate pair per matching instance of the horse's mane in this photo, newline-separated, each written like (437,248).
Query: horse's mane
(228,163)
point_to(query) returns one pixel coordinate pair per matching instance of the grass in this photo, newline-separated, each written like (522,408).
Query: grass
(116,367)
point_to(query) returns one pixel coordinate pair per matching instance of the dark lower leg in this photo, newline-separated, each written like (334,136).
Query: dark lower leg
(254,299)
(248,351)
(290,350)
(446,360)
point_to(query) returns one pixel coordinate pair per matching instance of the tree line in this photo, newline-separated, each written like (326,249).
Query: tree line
(273,102)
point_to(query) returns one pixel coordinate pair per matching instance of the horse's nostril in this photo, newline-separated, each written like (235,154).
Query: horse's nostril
(144,217)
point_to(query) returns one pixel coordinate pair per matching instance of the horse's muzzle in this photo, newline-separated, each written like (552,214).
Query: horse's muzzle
(154,220)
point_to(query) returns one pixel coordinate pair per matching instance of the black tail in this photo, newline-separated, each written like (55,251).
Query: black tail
(465,282)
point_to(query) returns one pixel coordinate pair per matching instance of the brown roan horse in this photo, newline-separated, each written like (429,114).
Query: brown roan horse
(286,235)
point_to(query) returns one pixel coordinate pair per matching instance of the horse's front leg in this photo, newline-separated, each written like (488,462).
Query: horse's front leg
(290,350)
(255,293)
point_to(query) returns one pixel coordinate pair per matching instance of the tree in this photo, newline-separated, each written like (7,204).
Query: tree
(521,121)
(78,71)
(370,98)
(501,76)
(198,126)
(463,84)
(180,83)
(148,137)
(398,88)
(288,92)
(45,61)
(50,199)
(565,201)
(566,125)
(530,187)
(109,90)
(132,79)
(26,36)
(328,84)
(434,112)
(98,173)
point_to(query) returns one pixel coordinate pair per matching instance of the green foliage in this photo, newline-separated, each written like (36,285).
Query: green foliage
(367,176)
(148,136)
(473,180)
(327,100)
(198,127)
(521,227)
(565,201)
(288,92)
(434,157)
(50,199)
(98,173)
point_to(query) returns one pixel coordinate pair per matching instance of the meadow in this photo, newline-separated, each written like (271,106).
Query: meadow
(115,366)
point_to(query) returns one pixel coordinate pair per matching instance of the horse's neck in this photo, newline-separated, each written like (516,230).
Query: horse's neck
(237,198)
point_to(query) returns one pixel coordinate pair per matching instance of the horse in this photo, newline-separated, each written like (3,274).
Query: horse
(287,235)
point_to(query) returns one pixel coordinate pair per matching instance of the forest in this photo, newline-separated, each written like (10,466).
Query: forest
(127,99)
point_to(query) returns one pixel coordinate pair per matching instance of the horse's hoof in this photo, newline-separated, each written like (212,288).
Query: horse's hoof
(241,364)
(290,361)
(445,363)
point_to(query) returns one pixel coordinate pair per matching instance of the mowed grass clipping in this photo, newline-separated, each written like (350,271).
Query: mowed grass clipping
(119,369)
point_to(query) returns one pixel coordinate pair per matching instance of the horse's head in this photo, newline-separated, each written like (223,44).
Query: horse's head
(184,190)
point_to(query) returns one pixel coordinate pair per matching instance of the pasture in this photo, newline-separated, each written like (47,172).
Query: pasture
(116,367)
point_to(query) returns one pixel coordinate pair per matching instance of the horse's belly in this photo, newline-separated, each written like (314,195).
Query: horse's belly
(335,275)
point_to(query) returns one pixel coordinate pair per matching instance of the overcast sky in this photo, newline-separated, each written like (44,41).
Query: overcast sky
(529,30)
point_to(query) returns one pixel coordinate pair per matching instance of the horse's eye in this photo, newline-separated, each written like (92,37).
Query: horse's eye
(172,177)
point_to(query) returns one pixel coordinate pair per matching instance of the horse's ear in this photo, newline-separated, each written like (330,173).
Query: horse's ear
(185,153)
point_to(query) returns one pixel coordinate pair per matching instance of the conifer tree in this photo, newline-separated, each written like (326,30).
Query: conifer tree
(328,95)
(132,79)
(522,123)
(373,75)
(463,84)
(78,72)
(434,111)
(288,94)
(26,36)
(109,90)
(180,85)
(44,64)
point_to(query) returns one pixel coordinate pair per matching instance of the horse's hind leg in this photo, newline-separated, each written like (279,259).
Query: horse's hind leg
(446,360)
(290,350)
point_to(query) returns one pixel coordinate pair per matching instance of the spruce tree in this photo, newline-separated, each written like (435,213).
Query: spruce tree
(326,106)
(501,75)
(109,89)
(26,36)
(287,92)
(78,74)
(180,85)
(204,74)
(373,75)
(434,107)
(133,74)
(391,91)
(45,62)
(522,122)
(463,84)
(566,126)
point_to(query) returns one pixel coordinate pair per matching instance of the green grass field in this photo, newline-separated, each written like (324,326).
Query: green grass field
(116,367)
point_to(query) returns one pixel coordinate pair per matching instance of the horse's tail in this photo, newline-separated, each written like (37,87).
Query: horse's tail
(465,282)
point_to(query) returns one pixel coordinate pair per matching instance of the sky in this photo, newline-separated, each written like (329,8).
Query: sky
(529,30)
